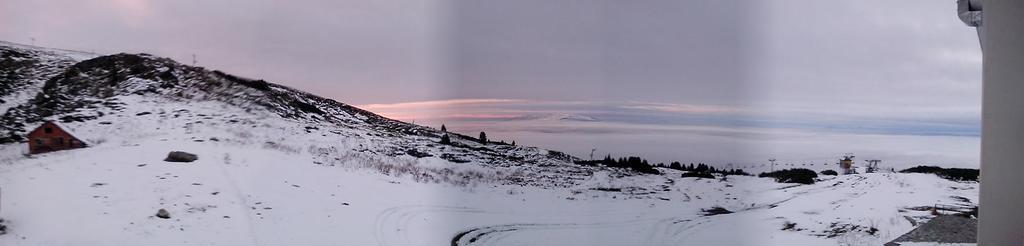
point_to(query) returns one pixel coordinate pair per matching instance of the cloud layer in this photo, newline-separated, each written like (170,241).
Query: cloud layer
(707,133)
(726,80)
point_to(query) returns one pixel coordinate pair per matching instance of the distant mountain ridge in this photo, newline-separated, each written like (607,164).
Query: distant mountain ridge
(88,83)
(79,88)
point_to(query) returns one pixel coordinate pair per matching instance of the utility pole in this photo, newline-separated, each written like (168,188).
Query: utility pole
(772,160)
(193,59)
(592,154)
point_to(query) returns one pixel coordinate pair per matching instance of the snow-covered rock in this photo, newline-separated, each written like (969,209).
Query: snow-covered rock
(181,156)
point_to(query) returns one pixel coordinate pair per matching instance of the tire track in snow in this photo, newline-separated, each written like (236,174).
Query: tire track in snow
(242,205)
(663,231)
(488,235)
(391,225)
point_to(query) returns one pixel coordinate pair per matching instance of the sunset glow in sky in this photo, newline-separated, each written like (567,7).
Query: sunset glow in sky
(718,81)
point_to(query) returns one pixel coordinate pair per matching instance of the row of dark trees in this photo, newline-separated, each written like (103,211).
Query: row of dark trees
(482,139)
(704,168)
(642,165)
(633,162)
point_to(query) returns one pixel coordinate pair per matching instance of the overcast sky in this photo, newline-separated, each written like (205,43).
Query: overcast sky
(900,73)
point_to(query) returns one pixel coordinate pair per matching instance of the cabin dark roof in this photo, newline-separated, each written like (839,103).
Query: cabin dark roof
(943,229)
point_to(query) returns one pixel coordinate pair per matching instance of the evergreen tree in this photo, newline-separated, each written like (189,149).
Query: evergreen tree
(483,138)
(608,161)
(675,165)
(445,139)
(444,129)
(701,168)
(513,142)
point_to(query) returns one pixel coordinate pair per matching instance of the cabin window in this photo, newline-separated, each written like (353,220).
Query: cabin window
(39,141)
(48,130)
(60,141)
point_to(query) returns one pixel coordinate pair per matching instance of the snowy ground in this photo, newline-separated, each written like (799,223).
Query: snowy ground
(237,195)
(265,179)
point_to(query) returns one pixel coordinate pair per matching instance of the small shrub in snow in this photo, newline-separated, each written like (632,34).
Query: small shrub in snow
(417,153)
(445,139)
(838,229)
(829,172)
(281,147)
(399,167)
(788,226)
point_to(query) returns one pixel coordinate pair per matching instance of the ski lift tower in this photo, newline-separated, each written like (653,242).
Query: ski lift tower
(999,27)
(872,166)
(846,164)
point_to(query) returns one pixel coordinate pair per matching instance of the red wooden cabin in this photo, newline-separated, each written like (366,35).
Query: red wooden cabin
(52,137)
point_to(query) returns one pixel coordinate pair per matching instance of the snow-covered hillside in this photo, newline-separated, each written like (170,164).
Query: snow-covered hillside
(279,166)
(24,69)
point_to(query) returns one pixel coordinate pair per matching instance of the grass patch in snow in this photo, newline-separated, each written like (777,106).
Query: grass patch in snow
(716,210)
